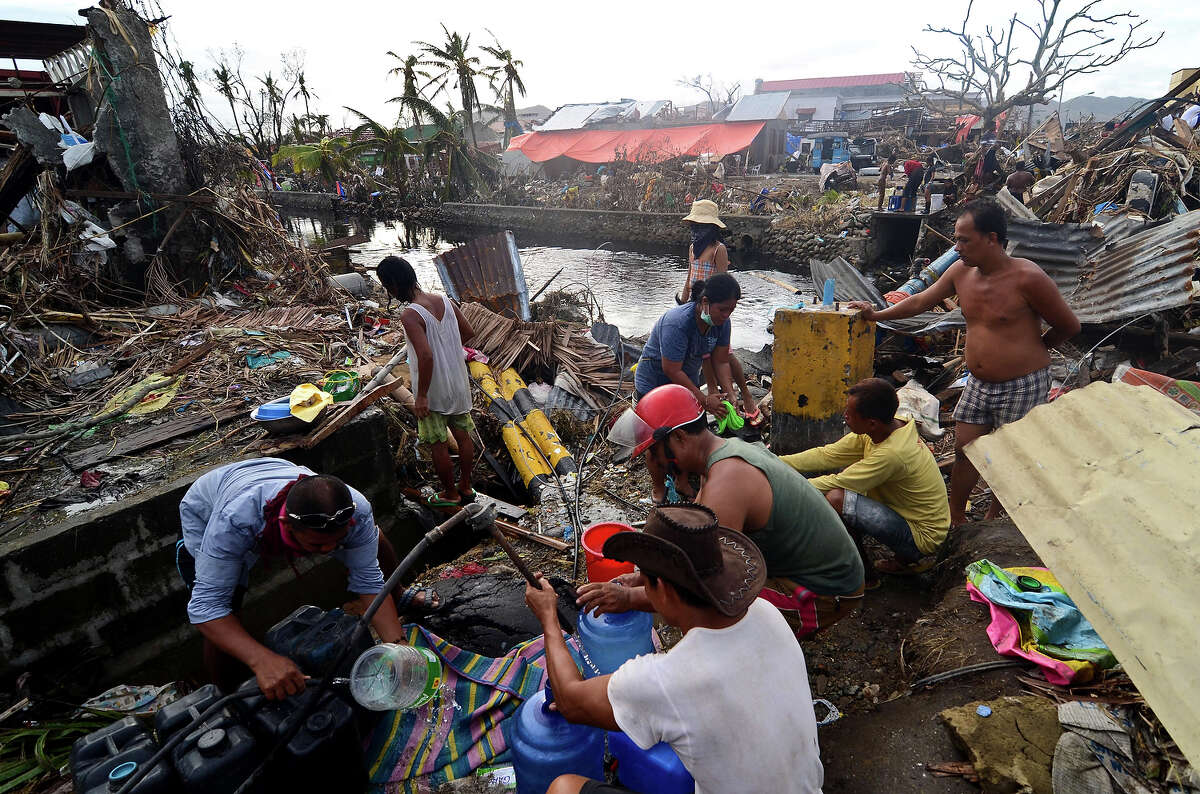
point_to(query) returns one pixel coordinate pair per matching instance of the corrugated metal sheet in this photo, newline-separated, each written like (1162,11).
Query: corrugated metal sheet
(488,271)
(569,117)
(1102,482)
(38,40)
(647,109)
(1102,281)
(849,81)
(759,107)
(851,285)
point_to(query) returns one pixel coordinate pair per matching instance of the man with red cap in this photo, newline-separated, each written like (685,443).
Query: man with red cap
(815,574)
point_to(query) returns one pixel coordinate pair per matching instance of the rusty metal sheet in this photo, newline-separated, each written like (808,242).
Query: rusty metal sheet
(1102,483)
(487,270)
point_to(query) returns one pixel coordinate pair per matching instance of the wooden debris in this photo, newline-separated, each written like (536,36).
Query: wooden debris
(151,436)
(963,769)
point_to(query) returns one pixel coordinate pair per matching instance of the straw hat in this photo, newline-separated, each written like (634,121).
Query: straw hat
(685,545)
(704,211)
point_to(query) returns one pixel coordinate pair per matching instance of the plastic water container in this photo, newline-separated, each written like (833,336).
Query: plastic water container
(390,677)
(119,748)
(112,775)
(313,638)
(612,639)
(181,713)
(545,746)
(325,754)
(216,756)
(654,771)
(599,567)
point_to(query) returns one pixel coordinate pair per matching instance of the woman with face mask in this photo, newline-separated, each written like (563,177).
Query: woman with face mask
(690,341)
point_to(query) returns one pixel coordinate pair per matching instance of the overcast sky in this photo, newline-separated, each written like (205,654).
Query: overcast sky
(575,53)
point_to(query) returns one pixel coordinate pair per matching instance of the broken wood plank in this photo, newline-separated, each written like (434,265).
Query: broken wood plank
(963,769)
(190,358)
(152,436)
(352,409)
(528,534)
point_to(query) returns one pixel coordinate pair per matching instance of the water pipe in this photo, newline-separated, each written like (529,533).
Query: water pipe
(929,274)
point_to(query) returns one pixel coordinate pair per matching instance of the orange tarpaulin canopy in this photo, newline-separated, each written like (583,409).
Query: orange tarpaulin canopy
(650,146)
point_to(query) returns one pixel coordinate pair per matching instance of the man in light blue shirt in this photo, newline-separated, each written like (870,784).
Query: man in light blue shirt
(268,507)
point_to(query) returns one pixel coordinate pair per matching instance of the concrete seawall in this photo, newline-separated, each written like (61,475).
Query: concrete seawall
(104,582)
(755,236)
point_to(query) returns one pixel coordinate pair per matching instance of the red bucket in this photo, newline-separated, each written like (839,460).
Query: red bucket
(599,567)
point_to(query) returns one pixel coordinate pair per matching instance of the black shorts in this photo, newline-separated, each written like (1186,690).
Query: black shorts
(185,563)
(600,787)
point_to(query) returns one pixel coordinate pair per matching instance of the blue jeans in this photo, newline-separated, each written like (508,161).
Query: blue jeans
(882,523)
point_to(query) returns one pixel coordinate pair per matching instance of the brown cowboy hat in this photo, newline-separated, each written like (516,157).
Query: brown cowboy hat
(685,545)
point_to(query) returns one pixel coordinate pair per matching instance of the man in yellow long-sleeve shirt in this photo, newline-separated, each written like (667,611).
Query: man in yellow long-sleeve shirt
(889,486)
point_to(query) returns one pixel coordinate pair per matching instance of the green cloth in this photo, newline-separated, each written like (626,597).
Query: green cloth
(804,539)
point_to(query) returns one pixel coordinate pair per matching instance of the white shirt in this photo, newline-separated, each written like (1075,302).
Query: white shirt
(733,703)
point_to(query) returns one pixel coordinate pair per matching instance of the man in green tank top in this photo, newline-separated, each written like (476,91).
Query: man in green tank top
(815,574)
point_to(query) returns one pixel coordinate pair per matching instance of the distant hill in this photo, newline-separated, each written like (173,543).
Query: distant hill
(1102,107)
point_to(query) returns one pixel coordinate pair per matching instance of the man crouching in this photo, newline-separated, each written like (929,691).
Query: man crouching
(737,668)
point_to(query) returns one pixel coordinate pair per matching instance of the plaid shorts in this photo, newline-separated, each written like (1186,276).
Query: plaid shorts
(997,404)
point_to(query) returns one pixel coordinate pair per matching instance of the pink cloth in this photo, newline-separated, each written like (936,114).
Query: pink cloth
(1005,634)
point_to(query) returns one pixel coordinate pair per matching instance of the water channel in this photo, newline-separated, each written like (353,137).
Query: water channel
(633,287)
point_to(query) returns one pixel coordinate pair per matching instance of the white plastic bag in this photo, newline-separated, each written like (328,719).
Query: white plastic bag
(918,404)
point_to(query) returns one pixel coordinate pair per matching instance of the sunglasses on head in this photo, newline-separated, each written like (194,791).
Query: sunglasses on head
(323,520)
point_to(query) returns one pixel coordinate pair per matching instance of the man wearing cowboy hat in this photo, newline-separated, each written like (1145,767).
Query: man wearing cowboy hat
(703,697)
(815,574)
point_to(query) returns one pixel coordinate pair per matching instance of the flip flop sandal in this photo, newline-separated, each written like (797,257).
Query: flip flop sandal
(755,419)
(467,498)
(437,501)
(405,605)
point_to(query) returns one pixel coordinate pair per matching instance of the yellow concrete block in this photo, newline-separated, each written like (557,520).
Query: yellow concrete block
(818,355)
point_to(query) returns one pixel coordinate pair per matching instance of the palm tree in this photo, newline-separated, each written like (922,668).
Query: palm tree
(226,79)
(457,64)
(412,100)
(305,94)
(326,158)
(510,83)
(389,142)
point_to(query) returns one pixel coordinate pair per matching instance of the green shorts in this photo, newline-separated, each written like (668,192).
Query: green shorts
(432,429)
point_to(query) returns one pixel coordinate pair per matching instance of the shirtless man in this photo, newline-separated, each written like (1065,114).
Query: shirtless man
(1004,301)
(885,171)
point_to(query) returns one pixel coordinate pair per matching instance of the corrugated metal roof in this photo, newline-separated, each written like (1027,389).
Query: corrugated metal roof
(488,271)
(1103,281)
(647,109)
(576,117)
(849,81)
(851,285)
(37,40)
(1102,483)
(759,107)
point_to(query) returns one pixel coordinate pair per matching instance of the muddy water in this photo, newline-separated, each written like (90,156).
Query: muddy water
(632,287)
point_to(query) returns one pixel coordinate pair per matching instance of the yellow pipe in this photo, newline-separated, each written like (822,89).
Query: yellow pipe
(535,422)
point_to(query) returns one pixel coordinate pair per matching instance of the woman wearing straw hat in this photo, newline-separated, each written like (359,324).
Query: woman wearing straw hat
(706,254)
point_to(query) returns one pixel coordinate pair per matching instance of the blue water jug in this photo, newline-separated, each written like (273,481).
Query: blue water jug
(654,771)
(545,746)
(610,640)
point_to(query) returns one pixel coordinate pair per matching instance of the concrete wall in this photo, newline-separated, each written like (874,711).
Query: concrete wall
(299,202)
(105,581)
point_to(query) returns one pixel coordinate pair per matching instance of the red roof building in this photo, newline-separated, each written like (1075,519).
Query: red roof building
(831,84)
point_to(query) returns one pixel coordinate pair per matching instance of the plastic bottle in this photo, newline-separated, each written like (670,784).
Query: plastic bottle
(391,677)
(612,639)
(654,771)
(545,746)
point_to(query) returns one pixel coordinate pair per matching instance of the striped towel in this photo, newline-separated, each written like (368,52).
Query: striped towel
(418,750)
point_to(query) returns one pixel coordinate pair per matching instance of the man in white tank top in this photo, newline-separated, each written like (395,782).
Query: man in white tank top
(435,330)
